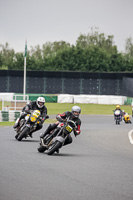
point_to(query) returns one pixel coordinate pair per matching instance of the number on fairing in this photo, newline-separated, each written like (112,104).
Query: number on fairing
(69,128)
(33,119)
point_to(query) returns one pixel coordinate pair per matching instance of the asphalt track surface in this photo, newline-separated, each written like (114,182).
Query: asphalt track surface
(98,165)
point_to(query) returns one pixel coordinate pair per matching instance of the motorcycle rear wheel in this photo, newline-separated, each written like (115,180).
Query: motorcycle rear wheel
(23,134)
(55,146)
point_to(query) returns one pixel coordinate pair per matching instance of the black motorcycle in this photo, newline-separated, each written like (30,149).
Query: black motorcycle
(28,124)
(56,139)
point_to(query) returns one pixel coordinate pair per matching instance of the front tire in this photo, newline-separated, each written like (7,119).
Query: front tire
(23,134)
(55,146)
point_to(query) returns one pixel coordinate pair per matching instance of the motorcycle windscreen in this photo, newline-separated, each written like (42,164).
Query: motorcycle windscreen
(36,113)
(117,112)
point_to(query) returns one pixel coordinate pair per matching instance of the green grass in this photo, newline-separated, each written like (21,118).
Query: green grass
(12,123)
(86,109)
(6,124)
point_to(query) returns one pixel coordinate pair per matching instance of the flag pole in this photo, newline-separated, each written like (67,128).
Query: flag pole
(25,54)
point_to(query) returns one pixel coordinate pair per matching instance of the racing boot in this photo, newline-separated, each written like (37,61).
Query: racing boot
(48,130)
(30,134)
(16,136)
(57,151)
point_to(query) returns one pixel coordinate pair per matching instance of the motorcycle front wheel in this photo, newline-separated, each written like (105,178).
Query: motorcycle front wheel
(55,146)
(23,134)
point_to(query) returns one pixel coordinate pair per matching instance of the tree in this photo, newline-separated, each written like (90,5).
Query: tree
(93,52)
(51,49)
(129,47)
(18,61)
(94,38)
(7,56)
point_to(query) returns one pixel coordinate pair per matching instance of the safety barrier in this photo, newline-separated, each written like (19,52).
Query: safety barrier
(92,99)
(9,116)
(70,98)
(33,97)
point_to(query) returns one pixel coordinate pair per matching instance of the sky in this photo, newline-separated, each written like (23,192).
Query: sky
(41,21)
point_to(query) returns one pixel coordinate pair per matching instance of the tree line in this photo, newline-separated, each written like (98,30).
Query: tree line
(93,52)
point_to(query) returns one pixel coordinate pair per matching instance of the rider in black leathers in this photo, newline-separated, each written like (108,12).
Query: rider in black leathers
(73,115)
(34,105)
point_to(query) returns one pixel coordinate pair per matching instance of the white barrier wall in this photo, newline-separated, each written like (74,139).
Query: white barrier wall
(86,99)
(65,98)
(6,96)
(94,99)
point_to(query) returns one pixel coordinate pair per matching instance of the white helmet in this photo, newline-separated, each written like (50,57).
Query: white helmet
(40,102)
(76,109)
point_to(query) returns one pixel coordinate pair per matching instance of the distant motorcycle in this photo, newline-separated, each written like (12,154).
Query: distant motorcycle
(55,140)
(28,124)
(117,115)
(126,118)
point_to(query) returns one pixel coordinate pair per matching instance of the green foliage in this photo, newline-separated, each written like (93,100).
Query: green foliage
(94,52)
(6,56)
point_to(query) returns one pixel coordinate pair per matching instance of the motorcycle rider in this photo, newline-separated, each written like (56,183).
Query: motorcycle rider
(121,113)
(73,115)
(34,105)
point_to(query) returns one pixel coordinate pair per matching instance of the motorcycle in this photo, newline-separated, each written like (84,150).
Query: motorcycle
(126,118)
(117,115)
(28,124)
(52,142)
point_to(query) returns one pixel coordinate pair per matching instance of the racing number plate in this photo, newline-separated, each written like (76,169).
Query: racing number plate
(69,128)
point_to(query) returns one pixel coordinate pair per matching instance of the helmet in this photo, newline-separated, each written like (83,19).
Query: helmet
(40,102)
(76,109)
(118,107)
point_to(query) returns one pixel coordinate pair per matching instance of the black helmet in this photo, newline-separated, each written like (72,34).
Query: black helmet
(76,109)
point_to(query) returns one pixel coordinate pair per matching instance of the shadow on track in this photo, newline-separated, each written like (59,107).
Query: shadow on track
(63,155)
(25,140)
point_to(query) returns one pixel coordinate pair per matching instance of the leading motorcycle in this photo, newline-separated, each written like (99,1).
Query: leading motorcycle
(117,116)
(52,142)
(28,124)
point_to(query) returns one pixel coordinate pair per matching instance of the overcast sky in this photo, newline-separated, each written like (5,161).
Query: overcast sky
(41,21)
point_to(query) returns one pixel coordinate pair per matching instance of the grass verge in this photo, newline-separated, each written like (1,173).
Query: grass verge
(86,109)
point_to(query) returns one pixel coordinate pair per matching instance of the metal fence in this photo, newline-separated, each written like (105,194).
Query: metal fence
(46,82)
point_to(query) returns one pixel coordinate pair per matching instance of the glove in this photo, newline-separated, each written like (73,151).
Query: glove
(41,120)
